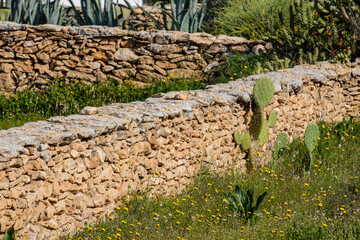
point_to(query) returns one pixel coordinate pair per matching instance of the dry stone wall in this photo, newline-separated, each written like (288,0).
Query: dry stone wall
(31,56)
(57,174)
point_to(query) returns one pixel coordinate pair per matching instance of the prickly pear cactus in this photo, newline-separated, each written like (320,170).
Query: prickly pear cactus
(246,141)
(272,119)
(312,134)
(263,92)
(280,143)
(237,137)
(258,130)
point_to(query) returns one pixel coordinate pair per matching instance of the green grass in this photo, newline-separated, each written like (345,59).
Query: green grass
(66,98)
(322,203)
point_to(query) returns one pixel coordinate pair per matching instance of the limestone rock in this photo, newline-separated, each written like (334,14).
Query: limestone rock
(143,37)
(182,73)
(44,57)
(256,49)
(125,54)
(80,75)
(165,65)
(164,49)
(202,39)
(164,37)
(217,48)
(227,40)
(239,48)
(42,68)
(100,56)
(7,54)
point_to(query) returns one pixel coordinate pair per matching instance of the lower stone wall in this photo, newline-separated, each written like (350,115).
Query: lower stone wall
(55,175)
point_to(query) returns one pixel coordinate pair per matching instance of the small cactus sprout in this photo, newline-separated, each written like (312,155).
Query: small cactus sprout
(246,141)
(272,119)
(280,143)
(312,134)
(237,137)
(263,92)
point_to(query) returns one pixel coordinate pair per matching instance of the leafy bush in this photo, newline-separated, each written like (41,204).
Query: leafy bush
(300,30)
(251,19)
(340,19)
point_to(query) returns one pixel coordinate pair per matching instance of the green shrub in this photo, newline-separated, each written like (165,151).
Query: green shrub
(310,37)
(251,19)
(304,31)
(340,19)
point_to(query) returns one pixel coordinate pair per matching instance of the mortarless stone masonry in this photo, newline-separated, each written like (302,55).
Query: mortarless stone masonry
(32,56)
(59,173)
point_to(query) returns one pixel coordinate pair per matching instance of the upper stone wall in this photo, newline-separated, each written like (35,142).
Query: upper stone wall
(30,56)
(55,175)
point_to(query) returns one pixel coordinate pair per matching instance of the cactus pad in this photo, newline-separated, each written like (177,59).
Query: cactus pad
(312,134)
(246,141)
(257,123)
(237,137)
(263,92)
(272,119)
(263,135)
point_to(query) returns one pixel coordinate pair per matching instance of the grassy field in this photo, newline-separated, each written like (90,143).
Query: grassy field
(321,203)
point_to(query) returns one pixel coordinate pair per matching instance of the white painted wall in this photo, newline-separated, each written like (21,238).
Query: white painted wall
(77,2)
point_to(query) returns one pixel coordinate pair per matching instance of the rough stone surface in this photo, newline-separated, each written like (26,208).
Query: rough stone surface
(63,172)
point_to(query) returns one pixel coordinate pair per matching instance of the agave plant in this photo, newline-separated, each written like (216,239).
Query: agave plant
(185,16)
(34,12)
(92,13)
(9,234)
(241,202)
